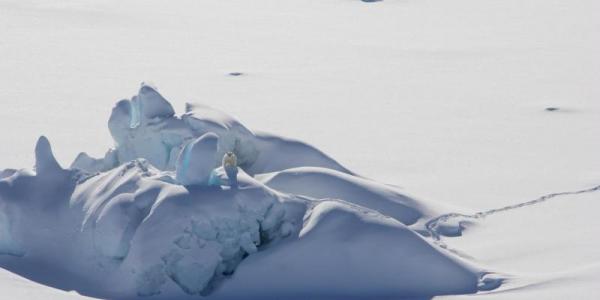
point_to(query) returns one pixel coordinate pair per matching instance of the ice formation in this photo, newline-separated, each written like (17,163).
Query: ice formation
(182,203)
(197,160)
(45,163)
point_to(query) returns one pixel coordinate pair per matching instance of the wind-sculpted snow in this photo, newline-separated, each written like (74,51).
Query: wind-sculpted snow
(159,217)
(358,252)
(129,227)
(197,160)
(327,183)
(233,136)
(159,138)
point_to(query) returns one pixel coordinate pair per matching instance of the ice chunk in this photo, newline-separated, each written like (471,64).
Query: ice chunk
(135,112)
(8,245)
(149,282)
(192,271)
(113,205)
(184,241)
(116,225)
(144,127)
(247,243)
(197,160)
(111,159)
(119,121)
(214,179)
(45,163)
(87,163)
(147,106)
(233,136)
(152,104)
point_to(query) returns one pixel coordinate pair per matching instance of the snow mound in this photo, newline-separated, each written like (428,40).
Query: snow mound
(201,205)
(328,183)
(353,251)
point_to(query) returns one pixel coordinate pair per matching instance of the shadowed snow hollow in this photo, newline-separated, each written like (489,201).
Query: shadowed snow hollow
(157,217)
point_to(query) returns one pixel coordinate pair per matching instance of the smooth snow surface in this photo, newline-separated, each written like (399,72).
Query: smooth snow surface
(16,287)
(327,183)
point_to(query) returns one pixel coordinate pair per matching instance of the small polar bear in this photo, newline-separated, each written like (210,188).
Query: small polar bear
(230,166)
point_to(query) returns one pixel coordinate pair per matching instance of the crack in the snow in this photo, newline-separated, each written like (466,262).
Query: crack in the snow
(432,225)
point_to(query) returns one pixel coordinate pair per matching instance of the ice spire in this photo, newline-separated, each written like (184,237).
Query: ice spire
(45,162)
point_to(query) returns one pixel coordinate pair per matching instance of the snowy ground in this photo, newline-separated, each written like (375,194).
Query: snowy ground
(446,99)
(16,287)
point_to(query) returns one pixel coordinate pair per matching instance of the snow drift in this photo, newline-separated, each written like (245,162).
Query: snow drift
(158,217)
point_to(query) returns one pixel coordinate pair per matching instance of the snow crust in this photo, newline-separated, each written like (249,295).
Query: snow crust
(206,207)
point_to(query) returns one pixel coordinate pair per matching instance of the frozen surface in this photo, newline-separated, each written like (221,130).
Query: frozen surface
(548,248)
(16,287)
(327,183)
(341,239)
(118,229)
(473,104)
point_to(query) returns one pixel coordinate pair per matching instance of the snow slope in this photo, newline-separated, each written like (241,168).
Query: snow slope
(352,258)
(536,241)
(17,287)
